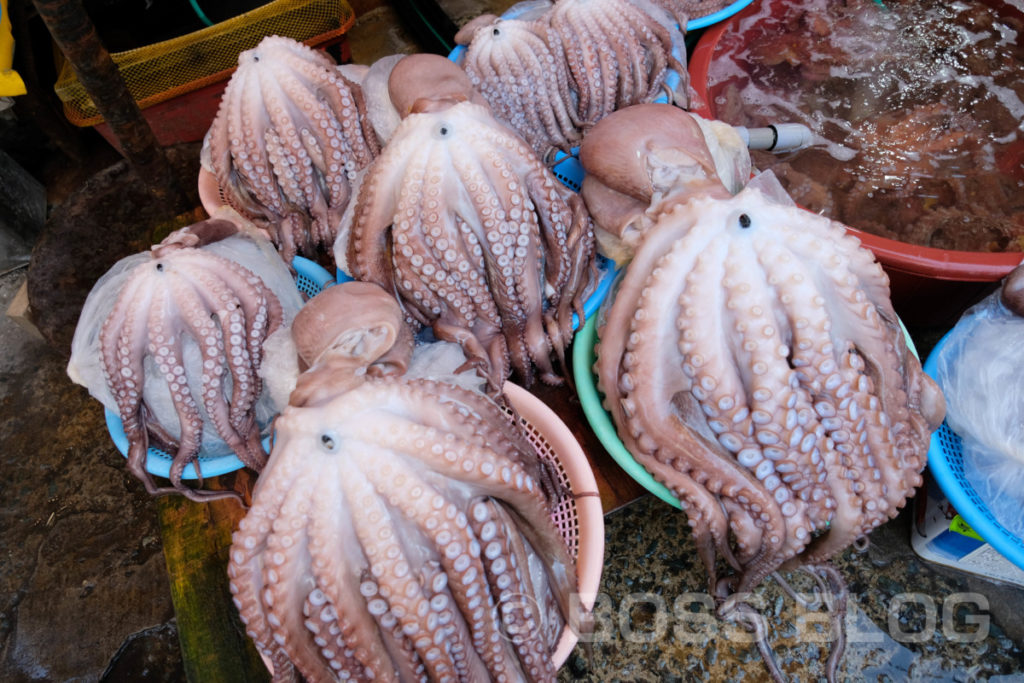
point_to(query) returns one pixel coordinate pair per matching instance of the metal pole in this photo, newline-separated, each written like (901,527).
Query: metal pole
(76,36)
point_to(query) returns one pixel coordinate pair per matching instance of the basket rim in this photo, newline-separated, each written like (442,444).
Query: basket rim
(586,502)
(957,489)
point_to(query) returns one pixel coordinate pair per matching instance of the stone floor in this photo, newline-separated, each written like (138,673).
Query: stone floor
(84,590)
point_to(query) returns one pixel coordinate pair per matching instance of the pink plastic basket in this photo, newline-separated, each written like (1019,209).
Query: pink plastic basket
(579,517)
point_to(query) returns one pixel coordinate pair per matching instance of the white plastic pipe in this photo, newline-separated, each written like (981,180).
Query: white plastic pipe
(779,137)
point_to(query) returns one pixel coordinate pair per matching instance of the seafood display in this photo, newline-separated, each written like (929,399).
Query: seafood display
(467,226)
(401,526)
(401,529)
(553,76)
(752,362)
(173,342)
(289,137)
(917,108)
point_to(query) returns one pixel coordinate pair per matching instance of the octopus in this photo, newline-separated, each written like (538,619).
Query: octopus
(467,227)
(553,75)
(525,81)
(618,53)
(191,323)
(287,142)
(401,529)
(752,362)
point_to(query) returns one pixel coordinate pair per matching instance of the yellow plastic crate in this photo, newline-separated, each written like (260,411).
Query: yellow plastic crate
(166,70)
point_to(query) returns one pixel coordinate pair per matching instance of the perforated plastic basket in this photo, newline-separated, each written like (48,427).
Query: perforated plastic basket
(945,459)
(165,70)
(579,517)
(311,279)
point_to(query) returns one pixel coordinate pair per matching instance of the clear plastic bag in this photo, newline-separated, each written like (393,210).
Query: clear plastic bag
(980,370)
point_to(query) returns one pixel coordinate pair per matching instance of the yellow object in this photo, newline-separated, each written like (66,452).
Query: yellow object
(958,525)
(10,82)
(162,71)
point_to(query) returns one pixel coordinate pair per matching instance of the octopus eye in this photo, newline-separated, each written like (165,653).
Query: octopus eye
(744,220)
(160,267)
(497,32)
(443,131)
(329,442)
(255,58)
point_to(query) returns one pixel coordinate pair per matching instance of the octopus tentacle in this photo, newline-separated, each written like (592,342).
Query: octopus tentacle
(407,600)
(196,317)
(399,644)
(327,533)
(123,367)
(331,632)
(169,359)
(506,565)
(286,601)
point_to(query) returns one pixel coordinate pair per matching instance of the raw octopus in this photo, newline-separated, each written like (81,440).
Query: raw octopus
(752,362)
(185,324)
(289,137)
(554,75)
(401,528)
(470,230)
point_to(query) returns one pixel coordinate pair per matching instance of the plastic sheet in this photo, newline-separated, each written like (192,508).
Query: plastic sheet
(981,373)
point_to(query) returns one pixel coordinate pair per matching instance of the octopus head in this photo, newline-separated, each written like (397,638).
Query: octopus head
(425,83)
(348,331)
(640,160)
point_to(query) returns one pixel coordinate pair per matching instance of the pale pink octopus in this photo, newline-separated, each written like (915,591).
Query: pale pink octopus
(470,230)
(289,137)
(401,528)
(753,363)
(525,81)
(553,75)
(193,323)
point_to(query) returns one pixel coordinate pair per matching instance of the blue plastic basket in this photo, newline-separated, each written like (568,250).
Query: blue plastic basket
(945,459)
(311,279)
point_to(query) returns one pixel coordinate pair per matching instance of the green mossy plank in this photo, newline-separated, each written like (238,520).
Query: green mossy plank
(197,538)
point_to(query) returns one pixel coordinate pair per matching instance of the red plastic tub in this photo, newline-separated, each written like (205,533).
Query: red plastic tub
(930,287)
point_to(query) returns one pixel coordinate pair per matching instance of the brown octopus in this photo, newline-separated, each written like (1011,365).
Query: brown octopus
(753,363)
(289,137)
(470,230)
(397,528)
(188,324)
